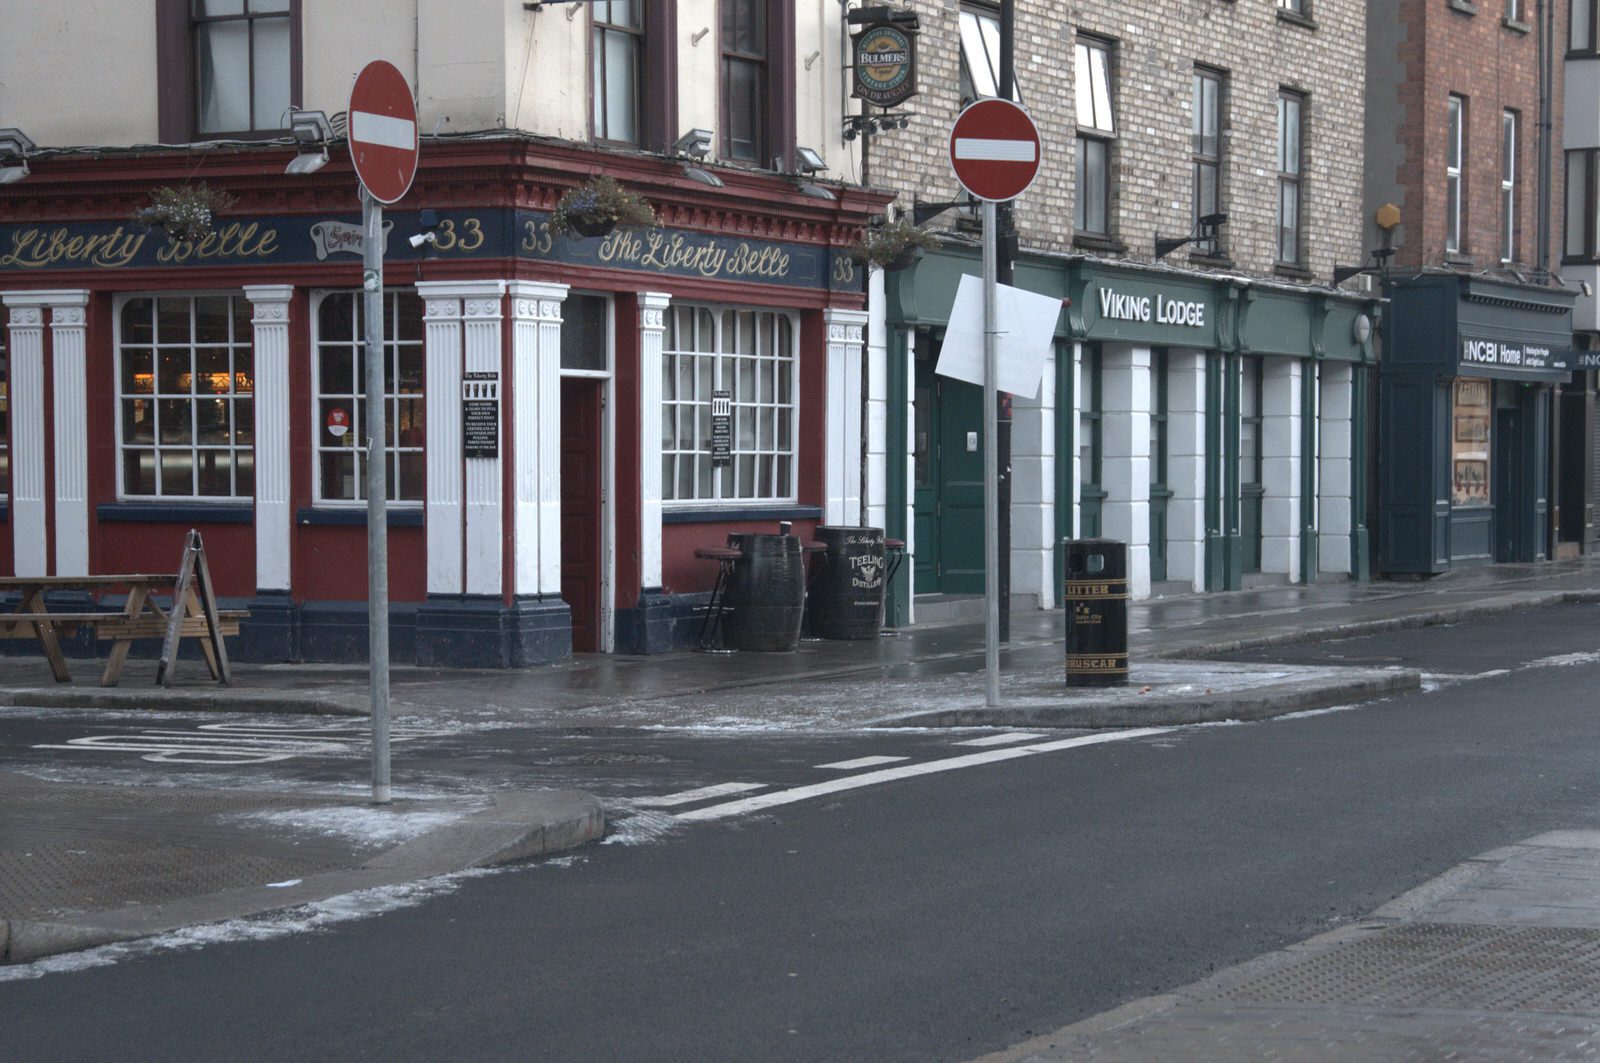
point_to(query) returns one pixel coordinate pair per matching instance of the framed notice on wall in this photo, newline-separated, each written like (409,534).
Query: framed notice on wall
(1469,444)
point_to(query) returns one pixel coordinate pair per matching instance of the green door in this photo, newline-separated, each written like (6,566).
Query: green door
(949,484)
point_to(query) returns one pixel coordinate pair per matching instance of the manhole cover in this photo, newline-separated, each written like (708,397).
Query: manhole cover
(1421,965)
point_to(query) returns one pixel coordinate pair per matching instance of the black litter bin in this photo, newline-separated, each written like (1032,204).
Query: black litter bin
(846,596)
(766,596)
(1095,598)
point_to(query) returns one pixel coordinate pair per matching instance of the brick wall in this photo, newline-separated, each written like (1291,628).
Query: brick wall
(1158,43)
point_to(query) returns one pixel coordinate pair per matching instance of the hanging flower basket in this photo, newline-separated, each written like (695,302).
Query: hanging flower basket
(185,213)
(599,205)
(892,245)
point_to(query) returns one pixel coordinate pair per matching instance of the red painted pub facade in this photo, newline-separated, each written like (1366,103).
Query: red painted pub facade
(156,386)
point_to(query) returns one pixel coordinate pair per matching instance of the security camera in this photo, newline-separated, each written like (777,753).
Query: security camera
(423,238)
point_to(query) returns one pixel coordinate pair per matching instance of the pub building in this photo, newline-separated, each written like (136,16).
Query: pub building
(1470,427)
(549,397)
(1214,423)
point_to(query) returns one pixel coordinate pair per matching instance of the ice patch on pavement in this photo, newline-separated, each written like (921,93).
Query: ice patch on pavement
(1564,660)
(304,919)
(629,825)
(376,826)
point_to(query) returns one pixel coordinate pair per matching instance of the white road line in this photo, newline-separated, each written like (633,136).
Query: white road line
(685,797)
(862,762)
(907,771)
(1009,738)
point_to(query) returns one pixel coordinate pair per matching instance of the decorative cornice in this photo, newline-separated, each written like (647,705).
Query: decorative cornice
(67,317)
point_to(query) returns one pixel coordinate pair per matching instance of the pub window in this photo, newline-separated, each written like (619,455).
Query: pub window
(1291,136)
(1508,186)
(1581,25)
(1469,447)
(1583,206)
(5,419)
(747,358)
(227,68)
(1455,137)
(1207,136)
(585,334)
(618,50)
(186,398)
(980,55)
(338,376)
(744,80)
(1096,130)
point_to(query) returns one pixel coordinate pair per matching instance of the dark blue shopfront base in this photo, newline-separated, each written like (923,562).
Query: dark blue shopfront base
(482,632)
(661,623)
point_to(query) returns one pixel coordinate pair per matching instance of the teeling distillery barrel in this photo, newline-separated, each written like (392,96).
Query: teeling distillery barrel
(846,599)
(1095,597)
(767,594)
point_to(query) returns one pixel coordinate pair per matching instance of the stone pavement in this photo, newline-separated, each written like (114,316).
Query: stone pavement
(1497,959)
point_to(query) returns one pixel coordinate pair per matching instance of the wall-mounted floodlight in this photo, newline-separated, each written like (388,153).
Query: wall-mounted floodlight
(705,177)
(1205,231)
(806,188)
(14,149)
(311,131)
(807,160)
(696,144)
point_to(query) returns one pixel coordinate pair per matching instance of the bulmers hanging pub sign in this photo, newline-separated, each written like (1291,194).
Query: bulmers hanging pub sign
(884,62)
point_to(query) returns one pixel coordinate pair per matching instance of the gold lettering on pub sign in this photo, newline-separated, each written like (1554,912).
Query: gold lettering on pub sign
(233,240)
(43,248)
(667,251)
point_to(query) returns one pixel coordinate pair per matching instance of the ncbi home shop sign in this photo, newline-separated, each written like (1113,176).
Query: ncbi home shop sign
(884,61)
(1477,352)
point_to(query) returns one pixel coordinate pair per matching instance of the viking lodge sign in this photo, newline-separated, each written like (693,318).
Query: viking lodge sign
(884,62)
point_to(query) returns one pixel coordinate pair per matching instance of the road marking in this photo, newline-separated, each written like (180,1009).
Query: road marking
(1009,738)
(685,797)
(907,771)
(862,762)
(229,743)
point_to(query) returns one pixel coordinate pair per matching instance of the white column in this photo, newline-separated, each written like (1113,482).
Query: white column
(877,427)
(1033,491)
(1125,456)
(70,411)
(908,565)
(1186,467)
(842,446)
(27,434)
(1074,467)
(652,337)
(1334,467)
(536,433)
(1280,466)
(444,512)
(273,517)
(485,535)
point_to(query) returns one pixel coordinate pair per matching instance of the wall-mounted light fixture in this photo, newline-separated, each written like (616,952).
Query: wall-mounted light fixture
(14,149)
(1387,219)
(1204,231)
(311,131)
(807,160)
(696,144)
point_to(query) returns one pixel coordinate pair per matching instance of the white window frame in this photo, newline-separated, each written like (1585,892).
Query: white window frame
(1204,160)
(1508,185)
(155,397)
(603,107)
(1291,175)
(723,354)
(1094,87)
(394,450)
(1297,7)
(1455,139)
(980,53)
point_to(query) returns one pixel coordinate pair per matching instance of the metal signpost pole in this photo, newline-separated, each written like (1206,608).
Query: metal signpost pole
(991,466)
(377,492)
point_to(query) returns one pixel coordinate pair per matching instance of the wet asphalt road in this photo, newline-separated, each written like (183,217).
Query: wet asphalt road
(926,918)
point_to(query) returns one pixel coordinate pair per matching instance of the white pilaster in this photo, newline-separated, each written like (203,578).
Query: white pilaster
(1280,466)
(842,445)
(1334,467)
(536,431)
(1125,456)
(70,411)
(1033,492)
(908,565)
(444,512)
(1186,467)
(485,535)
(652,337)
(27,433)
(877,362)
(1074,466)
(274,521)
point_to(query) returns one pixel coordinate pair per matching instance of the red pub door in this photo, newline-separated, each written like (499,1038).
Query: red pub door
(580,508)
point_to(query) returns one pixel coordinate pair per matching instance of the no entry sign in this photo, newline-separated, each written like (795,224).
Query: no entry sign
(383,131)
(994,150)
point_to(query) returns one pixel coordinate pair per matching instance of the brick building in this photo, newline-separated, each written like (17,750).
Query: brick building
(1223,443)
(1478,402)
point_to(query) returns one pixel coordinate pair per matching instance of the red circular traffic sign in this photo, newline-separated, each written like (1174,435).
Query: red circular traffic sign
(994,150)
(383,131)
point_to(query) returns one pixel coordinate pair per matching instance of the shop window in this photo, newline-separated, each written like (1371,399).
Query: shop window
(1508,186)
(617,67)
(980,55)
(1207,145)
(338,378)
(734,364)
(1583,206)
(5,419)
(1291,130)
(1582,24)
(1455,151)
(1096,130)
(186,398)
(1252,490)
(1469,448)
(229,68)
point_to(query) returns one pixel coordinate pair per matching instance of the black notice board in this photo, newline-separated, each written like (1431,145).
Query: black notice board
(480,415)
(721,429)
